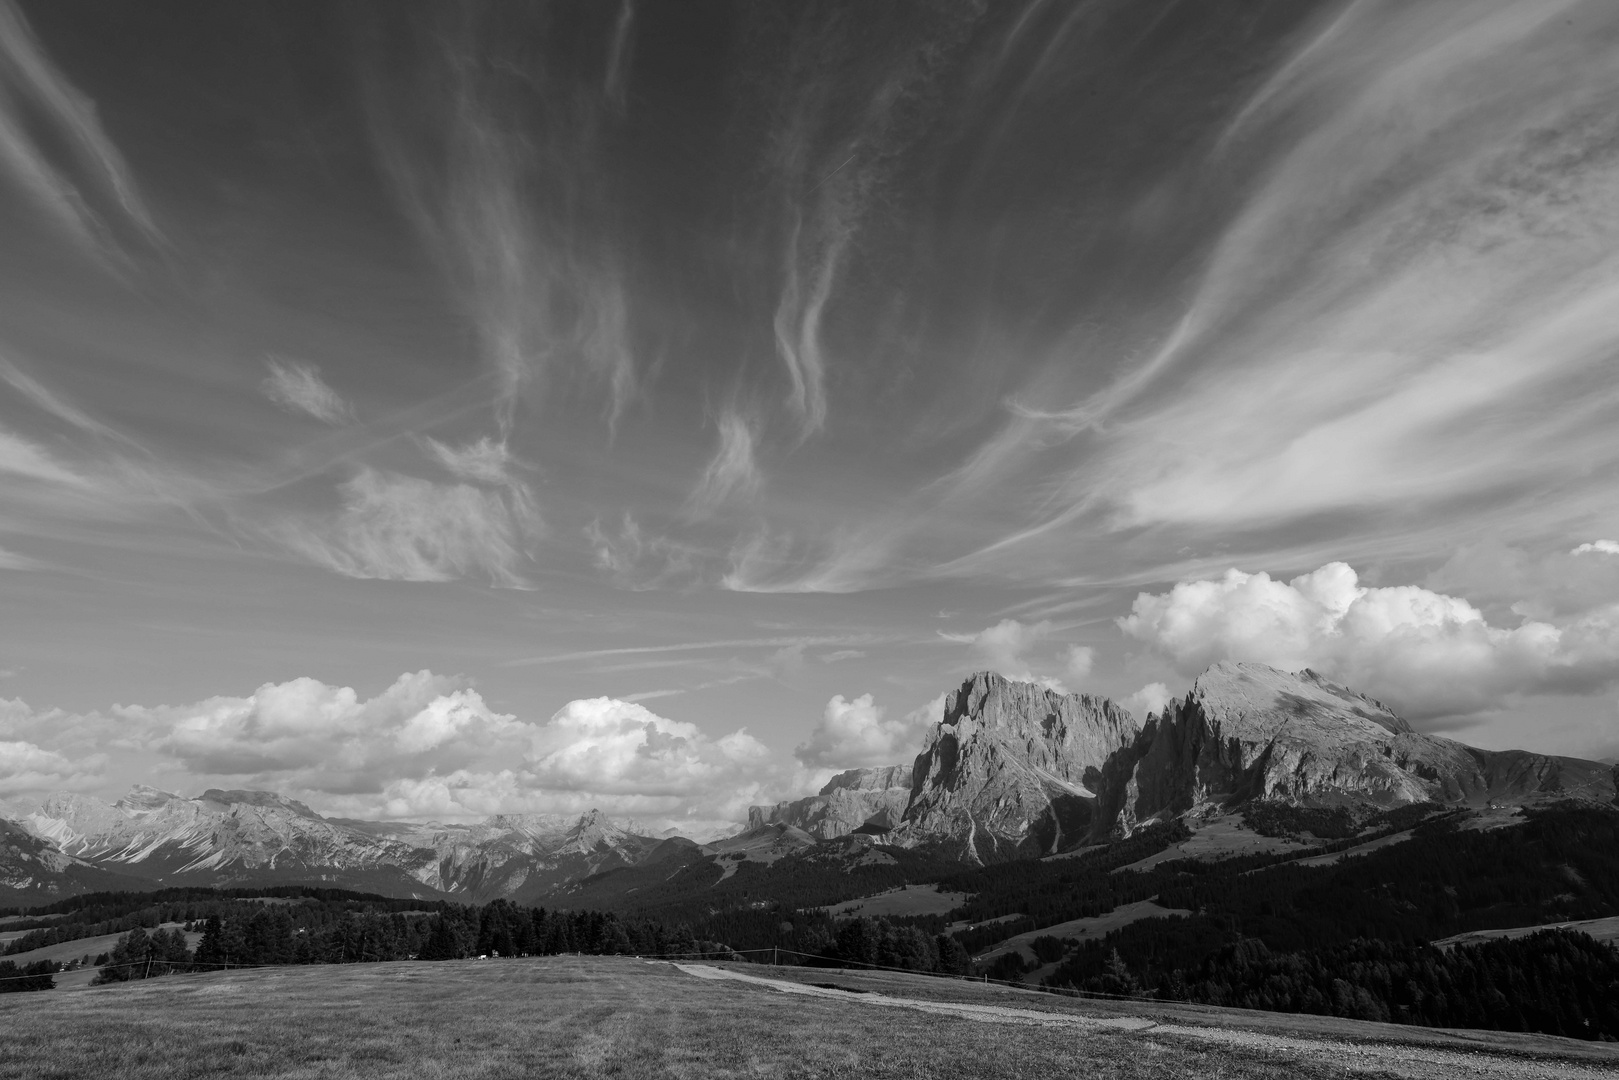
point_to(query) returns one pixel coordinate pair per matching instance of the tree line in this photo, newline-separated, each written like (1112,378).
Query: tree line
(1554,982)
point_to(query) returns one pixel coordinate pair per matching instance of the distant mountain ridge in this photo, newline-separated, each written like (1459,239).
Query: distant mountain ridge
(1016,770)
(243,837)
(1010,770)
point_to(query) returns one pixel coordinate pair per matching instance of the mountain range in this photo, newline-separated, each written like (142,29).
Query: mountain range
(1011,770)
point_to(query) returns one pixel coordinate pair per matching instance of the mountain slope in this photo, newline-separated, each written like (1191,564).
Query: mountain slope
(1010,769)
(1248,732)
(873,800)
(33,871)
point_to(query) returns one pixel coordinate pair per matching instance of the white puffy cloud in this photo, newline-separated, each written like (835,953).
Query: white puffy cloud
(1002,647)
(298,387)
(619,747)
(1148,700)
(1078,661)
(1023,652)
(1427,653)
(428,746)
(26,769)
(1598,547)
(316,737)
(858,733)
(403,528)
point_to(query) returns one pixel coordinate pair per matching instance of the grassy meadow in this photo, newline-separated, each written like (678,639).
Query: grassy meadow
(590,1017)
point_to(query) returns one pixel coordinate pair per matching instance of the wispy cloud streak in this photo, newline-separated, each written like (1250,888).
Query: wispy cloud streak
(102,174)
(732,471)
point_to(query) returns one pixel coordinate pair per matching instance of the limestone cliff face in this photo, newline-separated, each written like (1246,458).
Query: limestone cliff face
(1250,732)
(871,800)
(1010,771)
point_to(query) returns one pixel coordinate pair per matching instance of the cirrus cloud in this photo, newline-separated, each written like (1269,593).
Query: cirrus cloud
(299,387)
(402,528)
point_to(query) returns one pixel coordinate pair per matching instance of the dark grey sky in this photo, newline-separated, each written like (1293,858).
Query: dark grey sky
(696,367)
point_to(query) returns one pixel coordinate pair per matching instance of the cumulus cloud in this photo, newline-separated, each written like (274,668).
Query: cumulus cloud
(858,733)
(316,737)
(1427,653)
(26,769)
(1148,700)
(298,387)
(1078,662)
(427,746)
(1005,647)
(403,528)
(1598,547)
(607,746)
(607,754)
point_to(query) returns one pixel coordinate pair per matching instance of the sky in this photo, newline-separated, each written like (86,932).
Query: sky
(430,410)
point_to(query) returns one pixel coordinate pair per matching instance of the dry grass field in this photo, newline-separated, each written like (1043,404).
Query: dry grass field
(634,1019)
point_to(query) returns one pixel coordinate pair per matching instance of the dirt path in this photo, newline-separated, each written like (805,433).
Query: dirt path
(1369,1058)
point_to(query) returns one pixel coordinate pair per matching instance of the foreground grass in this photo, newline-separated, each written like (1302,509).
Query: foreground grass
(553,1017)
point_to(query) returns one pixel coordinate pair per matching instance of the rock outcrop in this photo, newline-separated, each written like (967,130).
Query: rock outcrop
(859,800)
(1250,732)
(1010,770)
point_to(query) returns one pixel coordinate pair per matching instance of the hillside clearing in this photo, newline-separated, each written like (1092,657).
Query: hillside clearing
(631,1018)
(1095,927)
(1220,840)
(89,946)
(1364,849)
(1601,929)
(895,903)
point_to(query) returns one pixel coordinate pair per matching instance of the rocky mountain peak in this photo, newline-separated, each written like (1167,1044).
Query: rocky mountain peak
(1264,698)
(267,800)
(1011,767)
(1248,732)
(594,831)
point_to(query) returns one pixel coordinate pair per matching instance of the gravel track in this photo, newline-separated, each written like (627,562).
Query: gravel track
(1358,1057)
